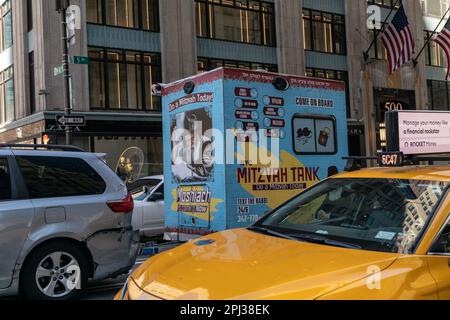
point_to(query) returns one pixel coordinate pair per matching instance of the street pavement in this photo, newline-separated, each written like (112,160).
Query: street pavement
(106,290)
(102,290)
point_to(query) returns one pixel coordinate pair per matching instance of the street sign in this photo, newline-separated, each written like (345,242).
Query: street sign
(78,60)
(58,70)
(71,121)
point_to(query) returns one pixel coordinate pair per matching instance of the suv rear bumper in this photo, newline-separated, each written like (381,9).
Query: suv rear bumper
(113,252)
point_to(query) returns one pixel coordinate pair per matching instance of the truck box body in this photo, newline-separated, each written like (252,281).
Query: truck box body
(239,143)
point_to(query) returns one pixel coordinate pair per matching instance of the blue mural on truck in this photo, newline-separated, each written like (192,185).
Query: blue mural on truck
(239,143)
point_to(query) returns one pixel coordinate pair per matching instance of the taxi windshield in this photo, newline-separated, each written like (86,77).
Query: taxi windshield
(386,215)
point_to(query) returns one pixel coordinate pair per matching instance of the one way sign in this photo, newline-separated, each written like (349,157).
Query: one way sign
(71,121)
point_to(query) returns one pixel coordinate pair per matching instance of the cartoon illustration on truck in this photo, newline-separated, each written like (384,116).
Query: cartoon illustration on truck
(239,143)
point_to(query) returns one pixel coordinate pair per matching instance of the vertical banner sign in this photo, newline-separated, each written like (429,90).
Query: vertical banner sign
(73,20)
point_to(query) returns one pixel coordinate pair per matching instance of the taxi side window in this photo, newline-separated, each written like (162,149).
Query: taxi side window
(442,245)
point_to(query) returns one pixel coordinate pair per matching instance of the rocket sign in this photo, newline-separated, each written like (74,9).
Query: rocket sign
(415,133)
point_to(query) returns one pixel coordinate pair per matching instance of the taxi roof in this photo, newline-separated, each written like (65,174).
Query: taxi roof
(430,173)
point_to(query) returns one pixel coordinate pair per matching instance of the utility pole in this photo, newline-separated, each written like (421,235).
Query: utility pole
(61,7)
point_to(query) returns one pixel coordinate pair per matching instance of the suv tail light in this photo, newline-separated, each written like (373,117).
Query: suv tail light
(123,206)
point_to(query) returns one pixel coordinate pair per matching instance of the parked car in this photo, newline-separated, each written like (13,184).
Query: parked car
(65,217)
(138,185)
(379,233)
(148,214)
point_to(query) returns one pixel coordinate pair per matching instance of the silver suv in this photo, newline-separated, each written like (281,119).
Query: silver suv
(65,217)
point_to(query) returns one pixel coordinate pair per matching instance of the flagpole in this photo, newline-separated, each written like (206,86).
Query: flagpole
(415,62)
(366,53)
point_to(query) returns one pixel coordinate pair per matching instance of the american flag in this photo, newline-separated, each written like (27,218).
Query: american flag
(443,40)
(398,41)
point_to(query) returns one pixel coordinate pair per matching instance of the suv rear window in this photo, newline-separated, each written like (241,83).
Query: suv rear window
(50,177)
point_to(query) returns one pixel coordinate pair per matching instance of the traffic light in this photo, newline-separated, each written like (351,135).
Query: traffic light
(49,138)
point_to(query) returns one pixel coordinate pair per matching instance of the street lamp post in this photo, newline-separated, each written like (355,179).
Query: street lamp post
(61,7)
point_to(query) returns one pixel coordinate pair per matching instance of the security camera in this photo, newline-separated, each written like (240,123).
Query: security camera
(281,84)
(157,89)
(189,87)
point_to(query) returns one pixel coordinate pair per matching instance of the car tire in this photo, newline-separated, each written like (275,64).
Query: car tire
(44,276)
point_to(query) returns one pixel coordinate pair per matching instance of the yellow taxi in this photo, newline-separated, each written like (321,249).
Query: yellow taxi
(381,233)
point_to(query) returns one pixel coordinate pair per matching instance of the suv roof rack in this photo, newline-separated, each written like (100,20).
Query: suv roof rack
(41,146)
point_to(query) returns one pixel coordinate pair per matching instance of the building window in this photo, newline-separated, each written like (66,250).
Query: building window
(324,32)
(332,75)
(434,8)
(32,82)
(30,14)
(438,95)
(7,95)
(144,154)
(434,54)
(247,21)
(136,14)
(385,3)
(122,79)
(378,51)
(6,37)
(207,64)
